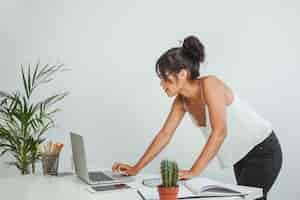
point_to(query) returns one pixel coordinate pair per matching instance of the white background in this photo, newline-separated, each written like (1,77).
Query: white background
(116,101)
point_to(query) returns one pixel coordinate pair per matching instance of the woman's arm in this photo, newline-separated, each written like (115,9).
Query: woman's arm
(164,136)
(216,101)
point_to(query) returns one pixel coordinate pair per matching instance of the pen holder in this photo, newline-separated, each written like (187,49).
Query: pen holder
(50,164)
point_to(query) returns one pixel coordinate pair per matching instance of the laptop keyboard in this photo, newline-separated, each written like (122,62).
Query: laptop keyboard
(99,176)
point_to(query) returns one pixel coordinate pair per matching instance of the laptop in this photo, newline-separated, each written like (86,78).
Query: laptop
(92,177)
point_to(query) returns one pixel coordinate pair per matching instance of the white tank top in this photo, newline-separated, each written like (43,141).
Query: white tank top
(245,129)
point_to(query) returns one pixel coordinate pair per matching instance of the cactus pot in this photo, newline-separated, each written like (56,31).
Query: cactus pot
(168,193)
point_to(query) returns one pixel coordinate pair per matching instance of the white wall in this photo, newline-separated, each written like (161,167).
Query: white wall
(116,101)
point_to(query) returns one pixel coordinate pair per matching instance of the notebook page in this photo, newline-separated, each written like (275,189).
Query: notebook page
(201,184)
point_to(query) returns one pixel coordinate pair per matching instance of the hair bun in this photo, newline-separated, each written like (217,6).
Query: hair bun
(193,48)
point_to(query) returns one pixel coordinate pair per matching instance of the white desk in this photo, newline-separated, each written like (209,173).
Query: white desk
(33,187)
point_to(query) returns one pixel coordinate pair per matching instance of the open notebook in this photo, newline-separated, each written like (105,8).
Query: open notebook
(195,187)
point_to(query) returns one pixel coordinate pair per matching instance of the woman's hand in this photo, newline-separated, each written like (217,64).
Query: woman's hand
(185,174)
(124,169)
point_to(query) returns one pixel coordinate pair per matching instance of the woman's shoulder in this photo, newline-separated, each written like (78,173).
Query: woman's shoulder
(213,83)
(209,78)
(213,80)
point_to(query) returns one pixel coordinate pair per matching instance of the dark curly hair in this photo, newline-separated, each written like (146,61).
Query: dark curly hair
(189,57)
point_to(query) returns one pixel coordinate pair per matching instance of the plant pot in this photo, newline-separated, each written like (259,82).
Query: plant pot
(168,193)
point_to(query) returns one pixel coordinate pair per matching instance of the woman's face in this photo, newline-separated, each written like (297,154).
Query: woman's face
(172,84)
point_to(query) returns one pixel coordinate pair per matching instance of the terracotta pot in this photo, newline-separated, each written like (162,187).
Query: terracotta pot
(168,193)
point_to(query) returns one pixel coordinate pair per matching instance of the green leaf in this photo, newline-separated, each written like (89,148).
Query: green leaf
(25,82)
(7,145)
(54,111)
(53,99)
(45,128)
(29,81)
(34,74)
(3,152)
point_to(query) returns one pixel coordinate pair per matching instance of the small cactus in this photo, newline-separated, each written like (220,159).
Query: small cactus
(169,173)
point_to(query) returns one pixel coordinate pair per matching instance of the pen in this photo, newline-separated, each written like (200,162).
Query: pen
(140,194)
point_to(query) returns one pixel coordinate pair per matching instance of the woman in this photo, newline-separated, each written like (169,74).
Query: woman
(235,133)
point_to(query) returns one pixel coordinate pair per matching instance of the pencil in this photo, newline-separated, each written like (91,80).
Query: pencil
(140,194)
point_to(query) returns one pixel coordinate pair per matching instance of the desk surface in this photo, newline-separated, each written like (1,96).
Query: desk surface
(32,187)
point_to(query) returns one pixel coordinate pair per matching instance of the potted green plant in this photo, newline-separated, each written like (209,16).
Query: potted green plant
(24,122)
(168,190)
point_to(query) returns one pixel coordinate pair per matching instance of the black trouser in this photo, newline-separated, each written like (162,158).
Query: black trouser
(261,166)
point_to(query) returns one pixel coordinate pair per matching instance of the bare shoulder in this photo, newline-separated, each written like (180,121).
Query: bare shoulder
(212,83)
